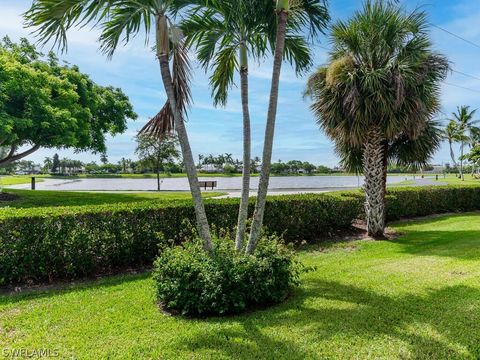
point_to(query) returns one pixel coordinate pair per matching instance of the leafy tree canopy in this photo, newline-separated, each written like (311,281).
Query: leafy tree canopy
(45,104)
(155,151)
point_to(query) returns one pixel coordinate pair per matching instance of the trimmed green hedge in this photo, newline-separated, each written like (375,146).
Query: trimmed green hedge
(50,243)
(410,202)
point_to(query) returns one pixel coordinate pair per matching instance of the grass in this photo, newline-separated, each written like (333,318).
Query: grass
(16,180)
(416,297)
(449,179)
(453,180)
(31,199)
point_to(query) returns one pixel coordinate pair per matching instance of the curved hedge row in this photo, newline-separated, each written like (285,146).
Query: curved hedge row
(50,243)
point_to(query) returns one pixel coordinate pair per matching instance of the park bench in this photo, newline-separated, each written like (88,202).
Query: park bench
(207,184)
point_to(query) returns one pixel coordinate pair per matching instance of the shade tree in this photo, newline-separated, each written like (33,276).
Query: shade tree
(44,104)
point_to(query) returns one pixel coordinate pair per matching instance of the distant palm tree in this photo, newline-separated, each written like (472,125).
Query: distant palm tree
(47,164)
(295,19)
(451,134)
(381,85)
(465,124)
(120,21)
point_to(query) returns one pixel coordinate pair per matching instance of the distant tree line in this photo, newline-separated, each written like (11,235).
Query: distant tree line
(225,163)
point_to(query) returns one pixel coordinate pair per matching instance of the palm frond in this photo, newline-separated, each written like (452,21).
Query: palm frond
(226,63)
(52,18)
(125,21)
(163,122)
(416,153)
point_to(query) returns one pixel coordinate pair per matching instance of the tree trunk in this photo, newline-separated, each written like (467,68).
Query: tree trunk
(269,132)
(200,214)
(452,155)
(11,157)
(243,209)
(461,162)
(158,179)
(373,165)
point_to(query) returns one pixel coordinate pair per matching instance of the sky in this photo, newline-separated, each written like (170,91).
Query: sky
(219,130)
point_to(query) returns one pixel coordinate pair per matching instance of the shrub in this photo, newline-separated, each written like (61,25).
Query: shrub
(423,201)
(192,282)
(44,244)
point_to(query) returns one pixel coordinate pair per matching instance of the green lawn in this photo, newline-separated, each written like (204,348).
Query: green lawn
(38,198)
(449,179)
(453,180)
(416,297)
(16,180)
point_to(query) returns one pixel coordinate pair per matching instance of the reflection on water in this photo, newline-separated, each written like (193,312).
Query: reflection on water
(224,183)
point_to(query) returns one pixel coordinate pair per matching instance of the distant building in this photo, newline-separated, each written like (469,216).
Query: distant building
(435,169)
(208,168)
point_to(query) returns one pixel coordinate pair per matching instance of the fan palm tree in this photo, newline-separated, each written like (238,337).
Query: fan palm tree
(451,134)
(119,22)
(381,86)
(463,119)
(294,19)
(403,151)
(225,35)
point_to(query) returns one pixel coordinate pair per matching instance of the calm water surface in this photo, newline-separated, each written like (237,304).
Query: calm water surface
(224,183)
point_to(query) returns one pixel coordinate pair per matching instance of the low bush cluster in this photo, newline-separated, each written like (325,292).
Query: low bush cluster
(43,244)
(193,282)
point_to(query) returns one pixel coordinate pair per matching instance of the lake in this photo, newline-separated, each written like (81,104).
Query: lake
(280,183)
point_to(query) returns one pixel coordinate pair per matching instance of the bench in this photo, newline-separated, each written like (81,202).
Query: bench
(209,184)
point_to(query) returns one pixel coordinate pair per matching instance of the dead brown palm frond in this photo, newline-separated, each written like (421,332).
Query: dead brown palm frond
(160,124)
(163,122)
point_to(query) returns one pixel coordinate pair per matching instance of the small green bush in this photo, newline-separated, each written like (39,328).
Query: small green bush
(193,282)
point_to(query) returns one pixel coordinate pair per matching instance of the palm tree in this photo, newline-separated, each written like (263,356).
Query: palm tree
(403,151)
(293,19)
(381,86)
(451,134)
(120,21)
(225,34)
(463,119)
(47,164)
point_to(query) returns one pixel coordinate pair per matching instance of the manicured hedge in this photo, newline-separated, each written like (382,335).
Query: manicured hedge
(422,201)
(50,243)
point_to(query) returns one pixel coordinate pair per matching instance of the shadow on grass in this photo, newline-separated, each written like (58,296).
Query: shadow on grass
(442,324)
(48,291)
(463,245)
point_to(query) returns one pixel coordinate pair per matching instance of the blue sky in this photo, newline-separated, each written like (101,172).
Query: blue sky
(211,130)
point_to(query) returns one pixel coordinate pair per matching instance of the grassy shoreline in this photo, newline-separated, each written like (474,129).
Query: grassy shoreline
(49,198)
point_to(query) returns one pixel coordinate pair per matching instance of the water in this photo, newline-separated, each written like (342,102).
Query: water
(223,183)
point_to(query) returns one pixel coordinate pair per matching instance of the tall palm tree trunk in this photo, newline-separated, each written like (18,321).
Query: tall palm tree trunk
(452,155)
(200,214)
(461,162)
(270,129)
(243,209)
(373,167)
